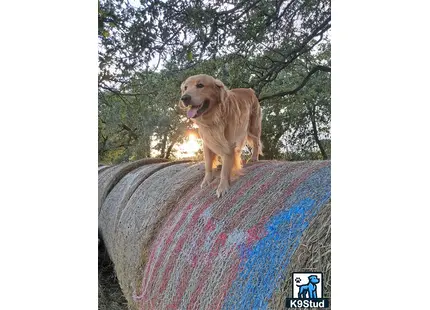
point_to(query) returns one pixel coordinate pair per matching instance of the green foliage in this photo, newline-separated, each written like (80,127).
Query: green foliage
(281,49)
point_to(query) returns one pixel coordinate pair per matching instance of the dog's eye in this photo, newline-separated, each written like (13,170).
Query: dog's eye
(200,85)
(185,88)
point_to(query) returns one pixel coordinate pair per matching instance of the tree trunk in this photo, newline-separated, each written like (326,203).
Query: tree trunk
(163,146)
(315,131)
(169,149)
(144,148)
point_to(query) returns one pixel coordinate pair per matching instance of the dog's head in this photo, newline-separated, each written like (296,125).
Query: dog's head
(201,94)
(313,279)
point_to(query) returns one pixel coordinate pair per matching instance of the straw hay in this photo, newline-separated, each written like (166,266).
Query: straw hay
(101,168)
(118,198)
(176,246)
(109,177)
(129,229)
(313,254)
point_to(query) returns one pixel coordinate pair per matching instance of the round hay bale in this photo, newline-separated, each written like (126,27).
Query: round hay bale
(101,168)
(109,177)
(312,254)
(118,198)
(143,217)
(180,247)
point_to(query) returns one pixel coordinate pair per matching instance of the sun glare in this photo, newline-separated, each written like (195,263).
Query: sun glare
(190,146)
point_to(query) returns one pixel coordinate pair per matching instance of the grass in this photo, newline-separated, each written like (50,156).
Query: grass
(110,294)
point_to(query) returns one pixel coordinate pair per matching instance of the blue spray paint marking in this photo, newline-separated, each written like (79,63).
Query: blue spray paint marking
(262,266)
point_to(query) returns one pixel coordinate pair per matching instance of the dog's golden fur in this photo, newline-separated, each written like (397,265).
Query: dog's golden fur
(230,119)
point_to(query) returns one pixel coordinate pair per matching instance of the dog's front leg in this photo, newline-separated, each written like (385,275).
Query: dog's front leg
(209,159)
(313,292)
(227,165)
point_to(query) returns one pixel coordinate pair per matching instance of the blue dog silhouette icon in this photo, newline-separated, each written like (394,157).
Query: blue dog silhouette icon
(309,289)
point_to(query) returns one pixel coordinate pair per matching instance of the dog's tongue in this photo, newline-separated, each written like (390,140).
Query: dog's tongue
(192,112)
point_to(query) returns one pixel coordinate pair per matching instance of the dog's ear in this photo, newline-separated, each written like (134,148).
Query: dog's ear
(180,103)
(219,83)
(223,90)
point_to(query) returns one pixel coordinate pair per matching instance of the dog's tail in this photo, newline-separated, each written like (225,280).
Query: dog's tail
(250,141)
(254,129)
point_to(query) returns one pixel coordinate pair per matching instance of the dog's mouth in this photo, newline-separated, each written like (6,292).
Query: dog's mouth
(196,111)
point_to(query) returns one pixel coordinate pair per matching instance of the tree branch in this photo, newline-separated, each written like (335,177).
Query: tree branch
(302,84)
(271,74)
(116,92)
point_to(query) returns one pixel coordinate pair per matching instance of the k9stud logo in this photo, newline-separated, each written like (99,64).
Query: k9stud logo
(307,291)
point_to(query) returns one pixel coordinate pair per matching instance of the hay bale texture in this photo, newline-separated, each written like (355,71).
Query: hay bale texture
(176,246)
(109,176)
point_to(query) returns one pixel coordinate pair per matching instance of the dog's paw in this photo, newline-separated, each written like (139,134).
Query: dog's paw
(206,181)
(222,188)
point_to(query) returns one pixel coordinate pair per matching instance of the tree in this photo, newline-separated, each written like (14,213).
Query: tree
(297,120)
(276,31)
(280,48)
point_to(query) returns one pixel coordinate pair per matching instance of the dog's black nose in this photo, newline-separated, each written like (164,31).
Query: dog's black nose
(186,99)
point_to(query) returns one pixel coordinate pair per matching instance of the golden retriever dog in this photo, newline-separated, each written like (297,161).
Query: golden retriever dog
(227,119)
